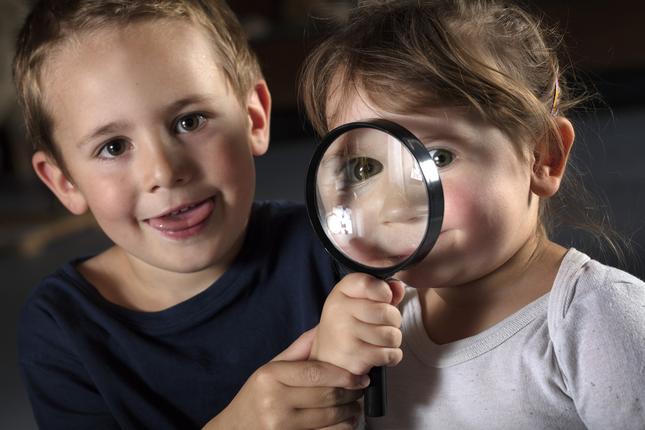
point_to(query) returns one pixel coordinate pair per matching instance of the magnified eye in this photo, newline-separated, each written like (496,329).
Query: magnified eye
(114,148)
(361,169)
(442,157)
(190,123)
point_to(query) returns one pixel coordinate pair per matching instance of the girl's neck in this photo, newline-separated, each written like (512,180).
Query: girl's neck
(457,312)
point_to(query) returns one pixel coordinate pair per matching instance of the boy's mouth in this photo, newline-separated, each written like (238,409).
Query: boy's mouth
(185,220)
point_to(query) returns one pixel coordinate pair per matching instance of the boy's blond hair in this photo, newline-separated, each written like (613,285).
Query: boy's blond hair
(52,23)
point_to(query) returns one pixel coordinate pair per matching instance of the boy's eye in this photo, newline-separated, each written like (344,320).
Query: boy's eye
(113,148)
(190,123)
(361,169)
(442,157)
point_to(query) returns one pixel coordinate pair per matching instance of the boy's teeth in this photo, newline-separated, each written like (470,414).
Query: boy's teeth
(187,208)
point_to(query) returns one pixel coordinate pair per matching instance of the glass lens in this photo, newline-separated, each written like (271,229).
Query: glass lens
(372,199)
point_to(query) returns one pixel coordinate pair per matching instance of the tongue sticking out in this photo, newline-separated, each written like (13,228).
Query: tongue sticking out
(185,218)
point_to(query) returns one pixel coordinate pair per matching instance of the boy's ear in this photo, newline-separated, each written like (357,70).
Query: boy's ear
(551,162)
(258,105)
(51,174)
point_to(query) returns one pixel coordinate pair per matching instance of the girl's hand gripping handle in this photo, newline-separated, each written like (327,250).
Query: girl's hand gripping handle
(359,331)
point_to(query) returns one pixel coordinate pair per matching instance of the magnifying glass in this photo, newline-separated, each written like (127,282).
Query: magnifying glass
(375,200)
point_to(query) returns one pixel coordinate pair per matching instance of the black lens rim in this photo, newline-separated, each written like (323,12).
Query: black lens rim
(431,178)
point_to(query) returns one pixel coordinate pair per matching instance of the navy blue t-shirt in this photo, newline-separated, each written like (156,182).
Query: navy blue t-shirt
(90,364)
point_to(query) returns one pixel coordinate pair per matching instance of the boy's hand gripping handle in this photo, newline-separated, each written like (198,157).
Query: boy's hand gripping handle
(376,393)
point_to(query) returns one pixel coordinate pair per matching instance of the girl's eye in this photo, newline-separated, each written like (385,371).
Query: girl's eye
(361,169)
(442,157)
(113,148)
(190,123)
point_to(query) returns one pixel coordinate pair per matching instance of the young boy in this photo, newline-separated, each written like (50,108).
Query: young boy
(148,114)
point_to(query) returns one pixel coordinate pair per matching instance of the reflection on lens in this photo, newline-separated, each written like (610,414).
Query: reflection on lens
(339,221)
(372,199)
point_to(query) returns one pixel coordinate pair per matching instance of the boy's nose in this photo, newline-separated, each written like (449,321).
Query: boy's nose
(165,166)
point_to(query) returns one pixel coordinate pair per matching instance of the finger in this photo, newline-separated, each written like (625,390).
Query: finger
(376,313)
(349,424)
(315,374)
(326,417)
(378,335)
(398,290)
(300,349)
(321,397)
(363,286)
(372,356)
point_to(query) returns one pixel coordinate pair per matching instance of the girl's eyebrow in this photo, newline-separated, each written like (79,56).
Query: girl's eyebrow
(444,135)
(437,128)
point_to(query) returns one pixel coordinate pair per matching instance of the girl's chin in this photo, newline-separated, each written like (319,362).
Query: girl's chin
(424,277)
(411,279)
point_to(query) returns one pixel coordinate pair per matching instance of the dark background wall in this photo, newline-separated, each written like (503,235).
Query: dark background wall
(605,42)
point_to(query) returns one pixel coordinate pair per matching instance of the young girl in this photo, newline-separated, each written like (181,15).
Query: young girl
(502,327)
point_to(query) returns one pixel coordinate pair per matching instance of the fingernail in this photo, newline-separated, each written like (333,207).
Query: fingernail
(391,281)
(365,381)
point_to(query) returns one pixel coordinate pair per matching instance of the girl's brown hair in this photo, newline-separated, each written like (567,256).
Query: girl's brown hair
(489,56)
(54,22)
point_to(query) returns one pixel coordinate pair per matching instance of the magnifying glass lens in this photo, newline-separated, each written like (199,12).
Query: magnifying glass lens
(372,198)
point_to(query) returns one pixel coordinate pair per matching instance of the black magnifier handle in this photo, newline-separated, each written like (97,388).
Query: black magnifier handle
(375,400)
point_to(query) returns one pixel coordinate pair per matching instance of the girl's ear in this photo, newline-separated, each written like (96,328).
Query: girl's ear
(551,162)
(51,174)
(258,105)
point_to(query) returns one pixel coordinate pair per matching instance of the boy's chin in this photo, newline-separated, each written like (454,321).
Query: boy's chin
(187,263)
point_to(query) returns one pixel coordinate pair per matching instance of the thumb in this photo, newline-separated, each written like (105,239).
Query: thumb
(300,349)
(398,290)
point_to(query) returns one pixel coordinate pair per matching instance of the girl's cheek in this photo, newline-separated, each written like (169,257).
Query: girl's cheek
(458,198)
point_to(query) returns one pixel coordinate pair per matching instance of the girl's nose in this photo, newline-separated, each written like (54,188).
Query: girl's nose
(165,166)
(404,203)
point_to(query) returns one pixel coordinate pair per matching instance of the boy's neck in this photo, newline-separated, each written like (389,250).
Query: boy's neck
(134,285)
(458,312)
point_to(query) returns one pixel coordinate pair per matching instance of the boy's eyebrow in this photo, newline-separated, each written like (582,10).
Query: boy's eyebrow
(189,100)
(107,129)
(114,127)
